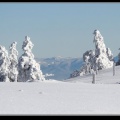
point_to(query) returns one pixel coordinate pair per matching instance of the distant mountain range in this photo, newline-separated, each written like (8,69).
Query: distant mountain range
(60,68)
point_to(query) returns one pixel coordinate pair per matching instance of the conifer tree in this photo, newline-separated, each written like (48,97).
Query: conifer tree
(29,69)
(13,68)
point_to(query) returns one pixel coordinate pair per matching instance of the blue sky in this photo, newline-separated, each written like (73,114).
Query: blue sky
(60,29)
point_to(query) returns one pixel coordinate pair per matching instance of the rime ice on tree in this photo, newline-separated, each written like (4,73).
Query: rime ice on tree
(4,64)
(13,74)
(100,58)
(102,53)
(29,69)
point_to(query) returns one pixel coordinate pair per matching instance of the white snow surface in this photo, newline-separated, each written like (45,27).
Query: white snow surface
(76,96)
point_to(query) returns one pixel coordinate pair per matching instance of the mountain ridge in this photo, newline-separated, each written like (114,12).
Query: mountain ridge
(61,67)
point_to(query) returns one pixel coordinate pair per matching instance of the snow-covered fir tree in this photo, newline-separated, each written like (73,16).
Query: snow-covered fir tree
(4,64)
(100,58)
(13,68)
(89,62)
(104,55)
(29,69)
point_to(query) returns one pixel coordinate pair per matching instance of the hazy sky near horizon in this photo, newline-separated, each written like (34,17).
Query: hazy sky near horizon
(60,29)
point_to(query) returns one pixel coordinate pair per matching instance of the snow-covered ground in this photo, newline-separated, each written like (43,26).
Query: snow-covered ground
(76,96)
(103,77)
